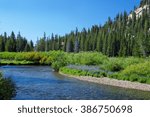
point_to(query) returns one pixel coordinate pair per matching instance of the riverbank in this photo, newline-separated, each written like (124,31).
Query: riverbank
(14,62)
(112,82)
(93,64)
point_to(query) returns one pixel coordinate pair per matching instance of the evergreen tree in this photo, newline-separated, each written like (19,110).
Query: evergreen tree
(76,46)
(27,48)
(2,48)
(31,46)
(13,42)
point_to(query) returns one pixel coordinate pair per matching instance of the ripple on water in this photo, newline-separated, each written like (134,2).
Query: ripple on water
(41,83)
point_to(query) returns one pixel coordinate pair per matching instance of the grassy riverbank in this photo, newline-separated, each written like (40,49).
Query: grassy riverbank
(92,64)
(23,58)
(15,62)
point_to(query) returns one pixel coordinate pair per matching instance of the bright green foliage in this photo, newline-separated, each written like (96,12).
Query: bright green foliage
(57,58)
(120,63)
(25,58)
(138,72)
(59,61)
(87,58)
(14,62)
(130,68)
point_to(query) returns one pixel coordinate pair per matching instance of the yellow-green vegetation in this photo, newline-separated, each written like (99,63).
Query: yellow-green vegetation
(24,58)
(7,88)
(15,62)
(87,58)
(133,69)
(116,64)
(138,72)
(122,68)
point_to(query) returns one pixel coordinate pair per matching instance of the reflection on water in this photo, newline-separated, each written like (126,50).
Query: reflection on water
(41,83)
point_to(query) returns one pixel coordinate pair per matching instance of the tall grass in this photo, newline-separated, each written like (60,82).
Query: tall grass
(7,88)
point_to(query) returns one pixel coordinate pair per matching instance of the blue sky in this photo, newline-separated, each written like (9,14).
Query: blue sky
(34,17)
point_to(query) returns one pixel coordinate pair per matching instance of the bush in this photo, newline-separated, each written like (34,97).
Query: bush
(148,81)
(30,57)
(82,58)
(133,77)
(57,65)
(7,55)
(86,58)
(142,80)
(138,72)
(7,88)
(49,60)
(119,64)
(103,74)
(115,67)
(59,61)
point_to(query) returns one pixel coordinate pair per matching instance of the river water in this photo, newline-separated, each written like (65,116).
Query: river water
(41,83)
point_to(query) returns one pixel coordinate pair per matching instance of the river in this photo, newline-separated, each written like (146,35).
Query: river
(41,83)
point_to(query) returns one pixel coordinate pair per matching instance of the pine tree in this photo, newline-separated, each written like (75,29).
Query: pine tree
(13,42)
(27,48)
(1,44)
(76,46)
(31,46)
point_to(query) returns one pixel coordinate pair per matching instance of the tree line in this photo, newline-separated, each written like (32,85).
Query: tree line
(14,43)
(121,36)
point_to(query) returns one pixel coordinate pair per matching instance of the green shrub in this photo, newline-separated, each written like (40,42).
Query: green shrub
(59,61)
(137,72)
(7,55)
(103,74)
(115,67)
(148,81)
(133,77)
(49,60)
(118,64)
(7,88)
(43,60)
(57,65)
(86,58)
(82,58)
(141,80)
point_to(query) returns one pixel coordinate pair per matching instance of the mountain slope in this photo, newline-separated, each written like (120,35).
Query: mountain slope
(123,36)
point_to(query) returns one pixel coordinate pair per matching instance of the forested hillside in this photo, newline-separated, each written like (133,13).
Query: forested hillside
(121,36)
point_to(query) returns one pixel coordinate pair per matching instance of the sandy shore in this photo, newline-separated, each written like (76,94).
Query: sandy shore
(113,82)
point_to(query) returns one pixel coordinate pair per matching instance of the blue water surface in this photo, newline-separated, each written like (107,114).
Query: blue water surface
(42,83)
